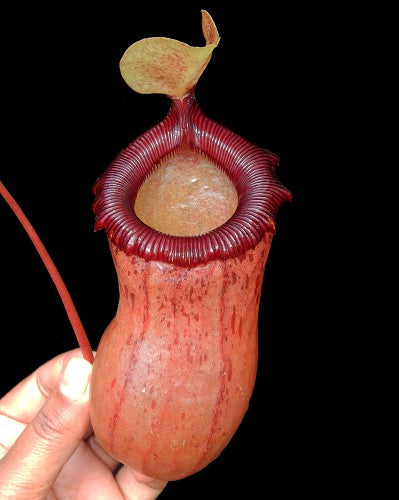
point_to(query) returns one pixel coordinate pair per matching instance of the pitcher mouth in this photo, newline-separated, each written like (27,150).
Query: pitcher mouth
(251,170)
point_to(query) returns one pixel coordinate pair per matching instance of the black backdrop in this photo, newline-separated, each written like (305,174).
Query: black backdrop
(67,113)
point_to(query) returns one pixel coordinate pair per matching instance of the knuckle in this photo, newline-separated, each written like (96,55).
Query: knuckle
(49,425)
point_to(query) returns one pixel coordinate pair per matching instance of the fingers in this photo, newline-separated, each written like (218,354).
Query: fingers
(19,406)
(98,451)
(135,485)
(51,438)
(86,477)
(24,401)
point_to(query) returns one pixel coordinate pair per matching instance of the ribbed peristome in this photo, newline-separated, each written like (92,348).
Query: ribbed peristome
(250,168)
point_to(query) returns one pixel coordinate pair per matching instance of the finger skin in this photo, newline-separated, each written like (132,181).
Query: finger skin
(96,448)
(25,399)
(29,469)
(22,403)
(135,485)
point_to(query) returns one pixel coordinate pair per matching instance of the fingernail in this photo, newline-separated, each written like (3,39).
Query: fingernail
(75,378)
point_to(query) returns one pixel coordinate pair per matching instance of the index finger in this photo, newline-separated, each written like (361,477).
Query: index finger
(24,401)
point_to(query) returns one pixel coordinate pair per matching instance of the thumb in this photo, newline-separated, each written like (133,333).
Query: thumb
(32,465)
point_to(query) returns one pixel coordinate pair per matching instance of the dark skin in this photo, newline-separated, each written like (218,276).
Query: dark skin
(47,448)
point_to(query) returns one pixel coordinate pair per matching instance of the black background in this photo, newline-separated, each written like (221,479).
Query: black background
(67,113)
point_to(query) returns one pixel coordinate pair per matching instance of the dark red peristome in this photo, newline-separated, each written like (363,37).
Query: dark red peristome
(251,169)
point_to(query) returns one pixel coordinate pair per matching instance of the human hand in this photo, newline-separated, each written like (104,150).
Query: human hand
(47,448)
